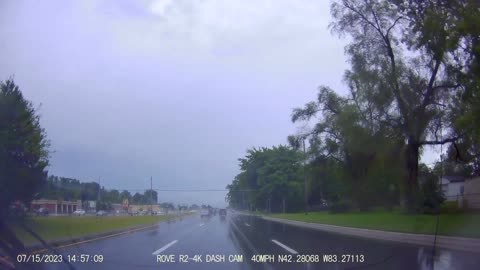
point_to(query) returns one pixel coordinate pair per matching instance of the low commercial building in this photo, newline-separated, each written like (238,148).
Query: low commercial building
(453,187)
(58,207)
(472,193)
(146,207)
(118,207)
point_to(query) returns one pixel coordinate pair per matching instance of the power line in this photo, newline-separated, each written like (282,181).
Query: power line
(171,190)
(151,195)
(191,190)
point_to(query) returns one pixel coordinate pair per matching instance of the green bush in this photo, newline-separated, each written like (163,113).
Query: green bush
(450,207)
(340,206)
(430,197)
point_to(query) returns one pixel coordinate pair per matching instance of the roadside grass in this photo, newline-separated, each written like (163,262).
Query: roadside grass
(54,228)
(450,224)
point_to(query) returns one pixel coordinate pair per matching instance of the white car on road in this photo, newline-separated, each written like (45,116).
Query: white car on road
(102,213)
(79,212)
(204,213)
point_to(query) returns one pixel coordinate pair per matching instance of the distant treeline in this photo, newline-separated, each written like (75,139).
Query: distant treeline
(70,189)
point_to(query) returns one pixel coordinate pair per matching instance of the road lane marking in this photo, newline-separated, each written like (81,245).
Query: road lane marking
(246,224)
(201,224)
(162,249)
(285,247)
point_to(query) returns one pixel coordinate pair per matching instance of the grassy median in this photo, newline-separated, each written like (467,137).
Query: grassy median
(458,224)
(53,228)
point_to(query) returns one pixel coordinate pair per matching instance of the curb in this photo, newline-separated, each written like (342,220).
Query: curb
(447,242)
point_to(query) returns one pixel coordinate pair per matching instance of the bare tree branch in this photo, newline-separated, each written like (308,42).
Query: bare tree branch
(446,86)
(458,156)
(430,88)
(376,20)
(439,104)
(393,25)
(439,142)
(345,4)
(391,55)
(330,155)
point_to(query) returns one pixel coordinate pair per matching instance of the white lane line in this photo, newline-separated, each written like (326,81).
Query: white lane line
(246,224)
(201,224)
(285,247)
(162,249)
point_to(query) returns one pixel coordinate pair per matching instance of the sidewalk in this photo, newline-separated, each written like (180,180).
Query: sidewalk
(448,242)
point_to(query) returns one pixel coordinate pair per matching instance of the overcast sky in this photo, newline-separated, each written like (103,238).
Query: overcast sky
(177,90)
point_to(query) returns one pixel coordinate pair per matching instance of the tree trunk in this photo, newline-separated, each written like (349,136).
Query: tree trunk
(411,191)
(283,202)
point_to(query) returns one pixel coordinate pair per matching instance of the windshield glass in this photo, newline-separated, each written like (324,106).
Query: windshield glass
(240,134)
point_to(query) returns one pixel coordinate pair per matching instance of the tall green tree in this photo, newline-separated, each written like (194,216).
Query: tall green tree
(23,148)
(410,65)
(280,179)
(138,198)
(112,196)
(454,27)
(126,195)
(270,179)
(151,196)
(354,154)
(236,193)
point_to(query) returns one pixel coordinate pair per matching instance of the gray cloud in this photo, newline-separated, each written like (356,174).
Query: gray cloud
(177,90)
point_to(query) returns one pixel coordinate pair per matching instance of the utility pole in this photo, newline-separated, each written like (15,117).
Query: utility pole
(99,196)
(270,204)
(441,155)
(151,197)
(99,189)
(243,200)
(305,177)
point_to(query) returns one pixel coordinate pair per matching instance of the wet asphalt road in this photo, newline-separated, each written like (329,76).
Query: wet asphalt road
(246,237)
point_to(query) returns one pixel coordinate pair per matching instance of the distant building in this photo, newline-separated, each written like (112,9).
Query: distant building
(58,207)
(145,207)
(472,193)
(453,187)
(119,208)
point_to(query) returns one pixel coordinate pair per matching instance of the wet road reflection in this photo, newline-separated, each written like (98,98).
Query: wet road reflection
(267,242)
(377,254)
